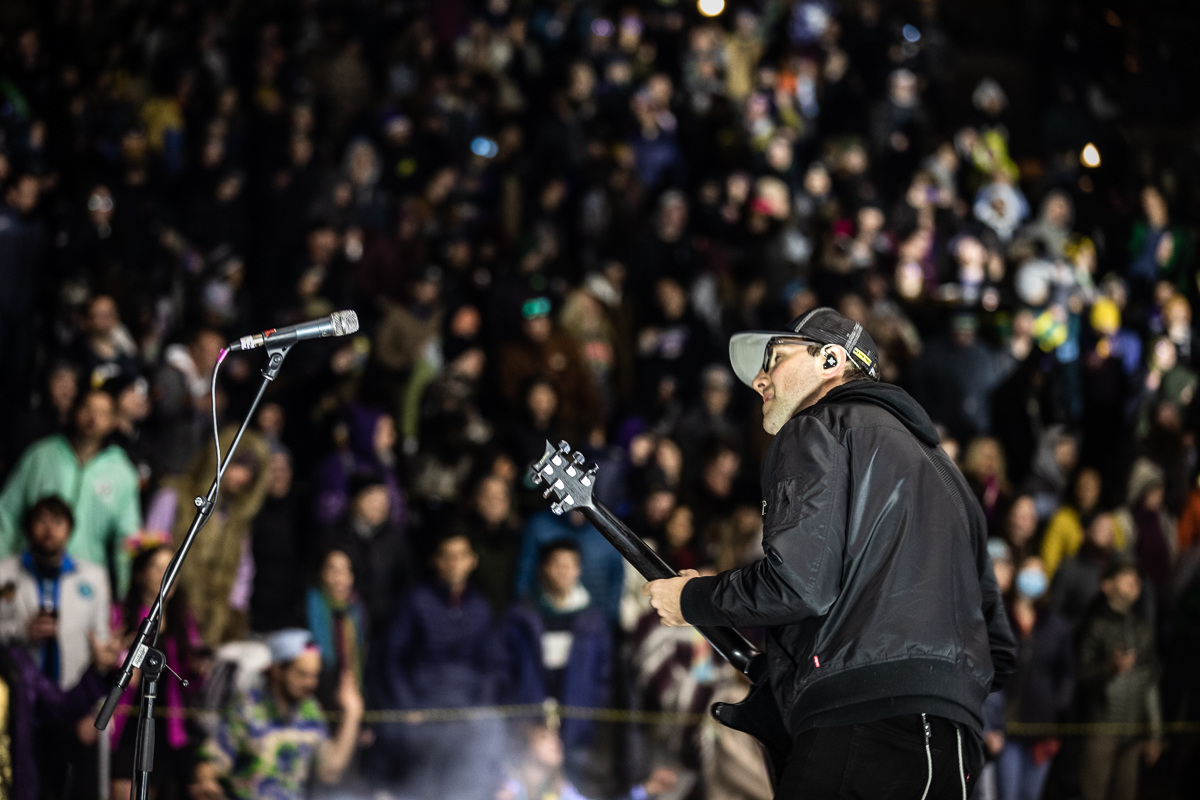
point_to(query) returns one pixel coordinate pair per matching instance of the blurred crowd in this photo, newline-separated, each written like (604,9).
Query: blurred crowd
(549,216)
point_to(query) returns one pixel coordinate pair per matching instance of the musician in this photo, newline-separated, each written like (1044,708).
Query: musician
(885,627)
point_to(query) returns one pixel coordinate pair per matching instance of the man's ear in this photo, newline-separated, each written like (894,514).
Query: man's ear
(835,359)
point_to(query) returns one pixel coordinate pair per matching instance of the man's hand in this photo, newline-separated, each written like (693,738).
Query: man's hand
(104,654)
(664,597)
(1123,660)
(661,780)
(993,741)
(43,626)
(205,785)
(349,699)
(85,731)
(335,754)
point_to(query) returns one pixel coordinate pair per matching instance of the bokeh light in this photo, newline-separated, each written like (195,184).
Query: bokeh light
(1090,157)
(711,8)
(485,147)
(602,27)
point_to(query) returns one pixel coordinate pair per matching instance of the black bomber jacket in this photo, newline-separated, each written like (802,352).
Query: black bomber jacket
(876,590)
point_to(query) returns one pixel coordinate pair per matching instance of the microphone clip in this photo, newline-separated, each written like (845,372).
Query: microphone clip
(275,355)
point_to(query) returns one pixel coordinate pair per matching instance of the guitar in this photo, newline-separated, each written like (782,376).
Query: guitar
(570,485)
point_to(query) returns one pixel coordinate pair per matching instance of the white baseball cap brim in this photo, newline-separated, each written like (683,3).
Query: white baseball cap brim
(746,352)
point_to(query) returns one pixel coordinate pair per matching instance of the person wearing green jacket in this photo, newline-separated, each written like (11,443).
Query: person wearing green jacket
(99,483)
(1118,689)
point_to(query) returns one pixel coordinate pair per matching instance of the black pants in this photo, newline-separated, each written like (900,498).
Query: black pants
(882,760)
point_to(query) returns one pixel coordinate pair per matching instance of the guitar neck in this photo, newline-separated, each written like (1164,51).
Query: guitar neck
(732,646)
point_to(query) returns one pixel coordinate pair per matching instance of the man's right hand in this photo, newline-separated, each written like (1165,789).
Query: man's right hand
(43,626)
(104,654)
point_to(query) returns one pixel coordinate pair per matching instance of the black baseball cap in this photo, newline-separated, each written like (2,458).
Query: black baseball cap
(748,349)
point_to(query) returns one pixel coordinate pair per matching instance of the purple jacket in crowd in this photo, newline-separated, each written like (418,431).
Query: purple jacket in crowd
(34,697)
(333,475)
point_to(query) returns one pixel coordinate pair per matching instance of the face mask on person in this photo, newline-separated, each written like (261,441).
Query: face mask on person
(1031,583)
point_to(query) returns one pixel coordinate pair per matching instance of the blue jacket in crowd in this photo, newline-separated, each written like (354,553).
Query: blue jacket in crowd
(603,568)
(585,681)
(443,654)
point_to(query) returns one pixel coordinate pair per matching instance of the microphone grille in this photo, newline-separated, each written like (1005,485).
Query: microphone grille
(344,322)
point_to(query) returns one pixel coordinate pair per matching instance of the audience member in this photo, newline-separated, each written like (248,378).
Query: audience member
(35,700)
(97,481)
(1064,533)
(218,574)
(1146,525)
(56,610)
(182,399)
(179,641)
(444,651)
(55,605)
(1117,668)
(1042,688)
(338,622)
(273,740)
(602,569)
(1076,583)
(376,546)
(276,599)
(370,447)
(493,526)
(560,646)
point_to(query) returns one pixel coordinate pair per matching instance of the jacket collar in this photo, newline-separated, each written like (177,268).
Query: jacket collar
(68,564)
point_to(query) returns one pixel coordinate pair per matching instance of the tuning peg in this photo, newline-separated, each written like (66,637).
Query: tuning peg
(593,469)
(578,458)
(549,491)
(557,508)
(564,447)
(536,477)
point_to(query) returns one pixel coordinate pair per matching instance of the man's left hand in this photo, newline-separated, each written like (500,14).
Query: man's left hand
(664,597)
(349,699)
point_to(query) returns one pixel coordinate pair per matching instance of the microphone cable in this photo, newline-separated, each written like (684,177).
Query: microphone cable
(212,394)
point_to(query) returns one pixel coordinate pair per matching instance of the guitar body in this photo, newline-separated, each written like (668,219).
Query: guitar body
(758,715)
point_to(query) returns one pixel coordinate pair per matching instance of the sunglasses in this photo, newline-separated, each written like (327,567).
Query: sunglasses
(769,359)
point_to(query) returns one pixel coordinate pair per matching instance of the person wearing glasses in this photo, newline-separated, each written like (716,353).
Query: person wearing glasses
(885,627)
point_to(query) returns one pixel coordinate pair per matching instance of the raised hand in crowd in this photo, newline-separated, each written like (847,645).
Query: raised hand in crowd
(105,655)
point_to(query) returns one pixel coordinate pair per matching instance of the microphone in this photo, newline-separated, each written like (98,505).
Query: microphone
(339,323)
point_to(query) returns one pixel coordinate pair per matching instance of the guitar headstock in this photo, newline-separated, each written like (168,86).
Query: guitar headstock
(565,478)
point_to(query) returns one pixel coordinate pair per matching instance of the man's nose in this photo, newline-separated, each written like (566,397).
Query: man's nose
(761,381)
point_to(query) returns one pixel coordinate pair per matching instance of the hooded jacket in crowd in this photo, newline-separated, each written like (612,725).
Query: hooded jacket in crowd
(211,568)
(335,472)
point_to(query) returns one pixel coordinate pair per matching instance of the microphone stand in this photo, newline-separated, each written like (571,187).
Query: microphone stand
(142,653)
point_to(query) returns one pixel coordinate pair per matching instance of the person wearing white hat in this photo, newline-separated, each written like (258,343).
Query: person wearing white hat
(272,740)
(885,626)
